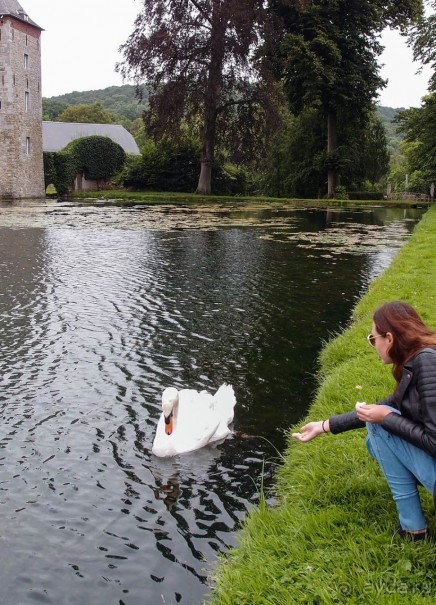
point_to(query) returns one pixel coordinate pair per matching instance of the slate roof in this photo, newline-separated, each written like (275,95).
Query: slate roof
(56,135)
(14,9)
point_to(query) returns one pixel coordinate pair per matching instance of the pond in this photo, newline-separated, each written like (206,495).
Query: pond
(101,307)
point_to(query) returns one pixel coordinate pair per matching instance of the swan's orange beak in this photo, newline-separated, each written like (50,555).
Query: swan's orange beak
(169,424)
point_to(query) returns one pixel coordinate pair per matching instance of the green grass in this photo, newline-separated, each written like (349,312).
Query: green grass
(123,196)
(329,540)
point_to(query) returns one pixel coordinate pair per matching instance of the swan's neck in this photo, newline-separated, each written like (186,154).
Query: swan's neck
(175,414)
(170,409)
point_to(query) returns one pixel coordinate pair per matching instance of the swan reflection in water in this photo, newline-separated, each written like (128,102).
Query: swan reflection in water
(171,474)
(169,491)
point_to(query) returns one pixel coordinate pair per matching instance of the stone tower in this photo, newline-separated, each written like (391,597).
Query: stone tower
(21,159)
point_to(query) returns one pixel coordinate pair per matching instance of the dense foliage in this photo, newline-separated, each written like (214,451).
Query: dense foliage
(288,164)
(171,165)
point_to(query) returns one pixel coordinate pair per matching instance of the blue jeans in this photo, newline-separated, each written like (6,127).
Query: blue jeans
(405,466)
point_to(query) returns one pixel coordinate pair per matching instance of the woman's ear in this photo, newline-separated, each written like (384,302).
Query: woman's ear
(389,337)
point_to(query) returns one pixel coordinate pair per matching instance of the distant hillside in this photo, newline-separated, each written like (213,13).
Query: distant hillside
(117,100)
(386,115)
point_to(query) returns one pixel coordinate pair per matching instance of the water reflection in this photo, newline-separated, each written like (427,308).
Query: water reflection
(95,319)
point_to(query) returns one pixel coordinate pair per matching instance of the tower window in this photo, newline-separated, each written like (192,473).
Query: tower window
(28,146)
(26,101)
(26,61)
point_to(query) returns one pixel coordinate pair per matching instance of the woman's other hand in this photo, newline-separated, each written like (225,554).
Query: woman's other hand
(372,413)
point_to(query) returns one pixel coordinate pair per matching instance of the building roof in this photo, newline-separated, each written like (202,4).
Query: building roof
(57,135)
(14,9)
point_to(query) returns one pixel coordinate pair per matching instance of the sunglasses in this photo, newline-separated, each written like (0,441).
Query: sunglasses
(371,338)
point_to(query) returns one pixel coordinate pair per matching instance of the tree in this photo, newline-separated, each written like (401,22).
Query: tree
(373,150)
(298,163)
(137,129)
(418,125)
(51,108)
(97,157)
(198,58)
(293,167)
(86,114)
(329,59)
(422,38)
(166,165)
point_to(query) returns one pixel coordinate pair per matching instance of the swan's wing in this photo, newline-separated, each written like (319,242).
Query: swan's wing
(197,421)
(196,439)
(224,403)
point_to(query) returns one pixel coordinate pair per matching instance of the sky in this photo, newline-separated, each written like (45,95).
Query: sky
(81,40)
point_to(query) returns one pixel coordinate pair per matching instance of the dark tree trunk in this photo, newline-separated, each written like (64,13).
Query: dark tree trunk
(205,181)
(332,144)
(208,143)
(211,101)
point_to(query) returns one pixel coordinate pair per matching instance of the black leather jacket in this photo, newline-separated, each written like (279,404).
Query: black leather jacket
(415,398)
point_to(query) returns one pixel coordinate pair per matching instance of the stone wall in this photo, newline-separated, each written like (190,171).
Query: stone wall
(21,158)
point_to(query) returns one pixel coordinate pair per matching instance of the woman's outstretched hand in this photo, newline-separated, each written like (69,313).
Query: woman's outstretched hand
(310,431)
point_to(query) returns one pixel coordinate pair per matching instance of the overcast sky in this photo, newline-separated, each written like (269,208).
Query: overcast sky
(81,40)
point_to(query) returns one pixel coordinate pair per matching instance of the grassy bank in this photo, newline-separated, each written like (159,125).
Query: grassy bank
(328,540)
(122,196)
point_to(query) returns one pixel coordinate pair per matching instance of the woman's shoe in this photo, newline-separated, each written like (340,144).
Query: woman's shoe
(410,535)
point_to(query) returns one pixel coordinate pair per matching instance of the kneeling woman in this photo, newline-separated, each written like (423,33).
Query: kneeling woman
(402,427)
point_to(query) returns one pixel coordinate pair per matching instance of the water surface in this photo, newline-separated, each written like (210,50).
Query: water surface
(100,309)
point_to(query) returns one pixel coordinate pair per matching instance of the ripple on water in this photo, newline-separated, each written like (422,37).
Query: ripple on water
(102,308)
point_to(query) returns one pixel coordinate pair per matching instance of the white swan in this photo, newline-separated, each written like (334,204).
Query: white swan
(191,420)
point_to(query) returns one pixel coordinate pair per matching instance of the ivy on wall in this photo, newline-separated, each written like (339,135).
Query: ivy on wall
(95,157)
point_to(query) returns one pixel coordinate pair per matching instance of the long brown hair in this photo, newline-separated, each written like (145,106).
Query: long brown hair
(410,334)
